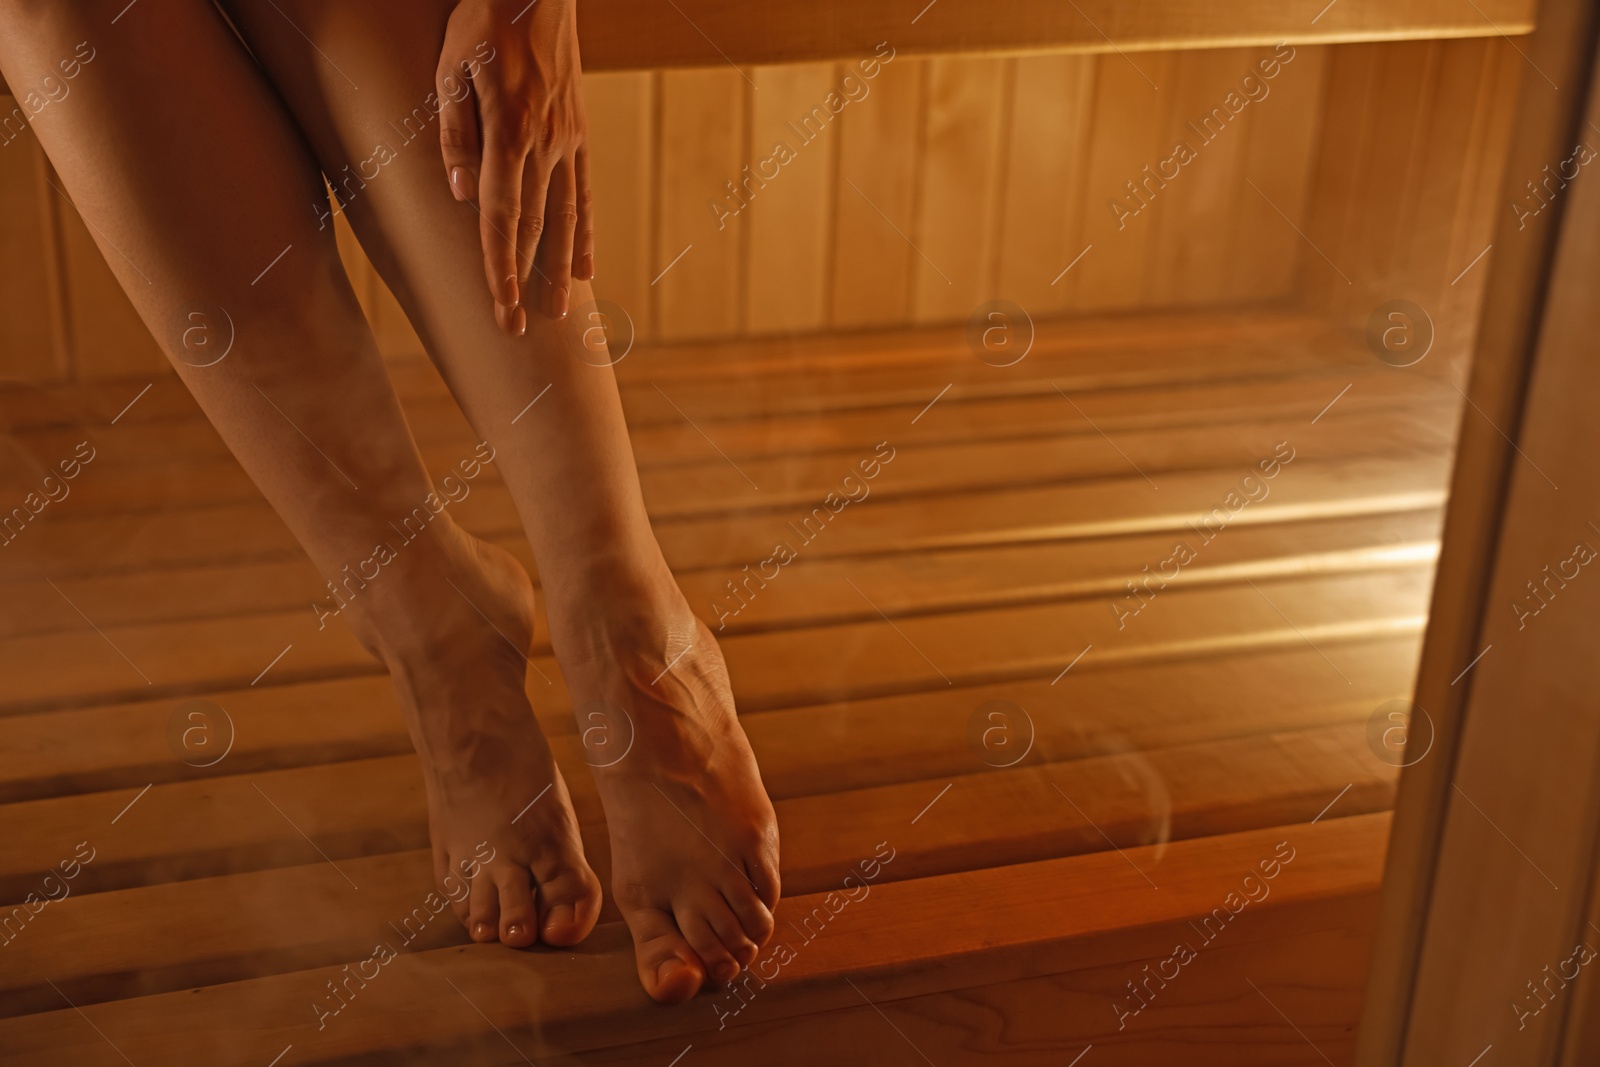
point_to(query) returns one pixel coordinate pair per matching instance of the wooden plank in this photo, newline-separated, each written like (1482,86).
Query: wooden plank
(1281,162)
(28,349)
(1194,213)
(804,750)
(1336,480)
(437,423)
(622,154)
(793,145)
(631,35)
(1043,204)
(121,663)
(1214,1019)
(926,581)
(100,946)
(701,146)
(1126,137)
(959,188)
(1056,916)
(1169,348)
(712,485)
(879,160)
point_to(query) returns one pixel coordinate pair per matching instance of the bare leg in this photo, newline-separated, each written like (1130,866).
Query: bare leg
(694,839)
(200,192)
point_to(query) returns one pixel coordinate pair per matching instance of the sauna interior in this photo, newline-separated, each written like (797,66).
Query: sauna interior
(1111,652)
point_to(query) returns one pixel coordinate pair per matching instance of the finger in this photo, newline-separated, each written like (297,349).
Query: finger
(536,178)
(583,246)
(458,130)
(554,254)
(500,203)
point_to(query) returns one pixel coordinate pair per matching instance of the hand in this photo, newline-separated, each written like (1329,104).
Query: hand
(512,130)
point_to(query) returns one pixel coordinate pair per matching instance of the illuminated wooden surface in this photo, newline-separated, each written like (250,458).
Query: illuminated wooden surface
(1227,716)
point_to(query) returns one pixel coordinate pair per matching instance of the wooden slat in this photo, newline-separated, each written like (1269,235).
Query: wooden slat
(790,199)
(172,936)
(774,671)
(622,150)
(1159,348)
(804,750)
(1069,914)
(629,34)
(1194,217)
(1043,203)
(1126,137)
(118,663)
(879,163)
(178,444)
(812,589)
(1078,510)
(1283,137)
(959,176)
(712,484)
(26,327)
(701,139)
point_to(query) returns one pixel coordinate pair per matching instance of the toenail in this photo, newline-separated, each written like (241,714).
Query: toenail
(515,930)
(480,930)
(560,917)
(669,968)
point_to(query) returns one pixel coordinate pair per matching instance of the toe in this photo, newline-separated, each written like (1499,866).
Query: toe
(755,917)
(729,930)
(697,930)
(518,915)
(568,900)
(483,909)
(669,970)
(762,874)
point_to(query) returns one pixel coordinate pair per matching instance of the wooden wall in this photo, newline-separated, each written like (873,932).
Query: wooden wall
(952,181)
(1410,186)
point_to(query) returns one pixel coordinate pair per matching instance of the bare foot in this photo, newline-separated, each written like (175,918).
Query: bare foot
(506,850)
(694,840)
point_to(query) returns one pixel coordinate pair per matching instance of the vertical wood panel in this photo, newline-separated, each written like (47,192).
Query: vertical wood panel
(621,111)
(1414,141)
(1343,153)
(1127,135)
(991,173)
(109,339)
(1194,215)
(27,344)
(702,127)
(794,115)
(955,232)
(1041,208)
(879,162)
(1458,201)
(1283,135)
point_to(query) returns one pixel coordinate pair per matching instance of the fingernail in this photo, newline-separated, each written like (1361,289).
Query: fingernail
(508,290)
(465,182)
(560,306)
(519,320)
(456,175)
(586,267)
